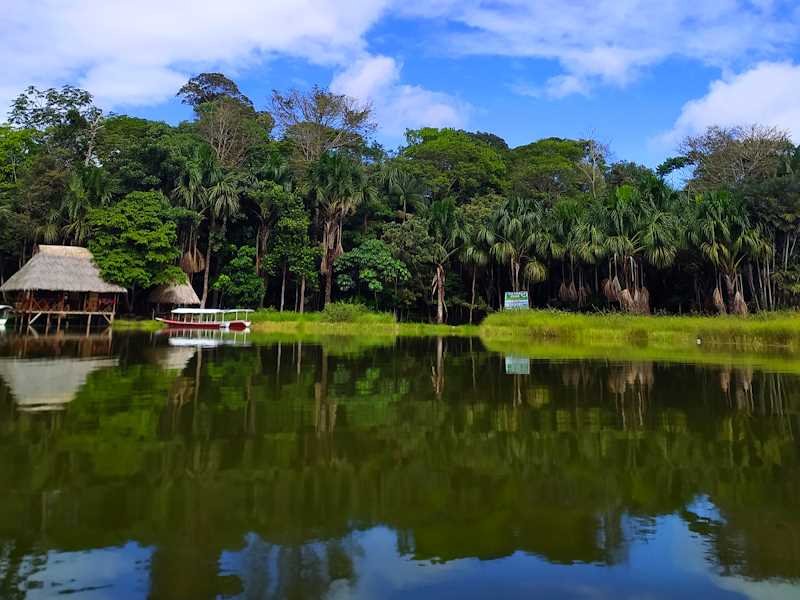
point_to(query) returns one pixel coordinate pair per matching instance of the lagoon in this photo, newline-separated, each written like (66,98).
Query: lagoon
(142,465)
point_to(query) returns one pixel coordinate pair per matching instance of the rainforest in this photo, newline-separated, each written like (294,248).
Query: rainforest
(288,203)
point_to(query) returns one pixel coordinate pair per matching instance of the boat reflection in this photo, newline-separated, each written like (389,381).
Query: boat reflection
(202,338)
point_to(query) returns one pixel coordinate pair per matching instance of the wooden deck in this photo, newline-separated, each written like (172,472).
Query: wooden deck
(31,308)
(29,317)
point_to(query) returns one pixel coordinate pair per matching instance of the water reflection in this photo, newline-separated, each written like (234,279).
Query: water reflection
(423,468)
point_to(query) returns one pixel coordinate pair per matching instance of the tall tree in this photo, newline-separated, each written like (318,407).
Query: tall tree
(319,122)
(445,225)
(512,236)
(338,185)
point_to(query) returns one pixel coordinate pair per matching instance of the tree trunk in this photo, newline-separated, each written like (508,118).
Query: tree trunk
(730,288)
(302,294)
(204,298)
(472,301)
(283,287)
(328,283)
(439,294)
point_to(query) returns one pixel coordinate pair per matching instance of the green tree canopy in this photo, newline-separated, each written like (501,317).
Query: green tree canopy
(134,242)
(455,162)
(239,283)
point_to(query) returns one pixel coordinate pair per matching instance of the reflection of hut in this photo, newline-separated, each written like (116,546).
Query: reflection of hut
(45,384)
(62,281)
(176,294)
(173,359)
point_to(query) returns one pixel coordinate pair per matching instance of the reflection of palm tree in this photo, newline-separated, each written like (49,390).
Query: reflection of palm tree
(324,407)
(437,369)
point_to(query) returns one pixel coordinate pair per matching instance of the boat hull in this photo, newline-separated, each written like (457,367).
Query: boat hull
(220,325)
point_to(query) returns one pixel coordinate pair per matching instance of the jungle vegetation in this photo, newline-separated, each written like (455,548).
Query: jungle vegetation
(293,205)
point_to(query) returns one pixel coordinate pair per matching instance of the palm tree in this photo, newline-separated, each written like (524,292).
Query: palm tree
(338,184)
(721,231)
(446,228)
(86,189)
(213,194)
(475,254)
(514,233)
(404,187)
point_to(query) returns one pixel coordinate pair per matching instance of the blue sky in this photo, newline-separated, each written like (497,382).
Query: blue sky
(637,74)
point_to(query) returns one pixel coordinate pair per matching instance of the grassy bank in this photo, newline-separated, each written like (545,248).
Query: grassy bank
(755,333)
(136,325)
(348,319)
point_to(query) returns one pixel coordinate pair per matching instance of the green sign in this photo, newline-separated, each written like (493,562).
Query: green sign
(515,301)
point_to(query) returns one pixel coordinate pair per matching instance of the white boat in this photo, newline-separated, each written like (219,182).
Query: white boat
(233,319)
(4,310)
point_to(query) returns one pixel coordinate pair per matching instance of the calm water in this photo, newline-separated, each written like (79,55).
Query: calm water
(146,467)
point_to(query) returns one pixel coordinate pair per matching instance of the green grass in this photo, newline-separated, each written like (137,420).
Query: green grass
(337,312)
(137,325)
(348,319)
(754,333)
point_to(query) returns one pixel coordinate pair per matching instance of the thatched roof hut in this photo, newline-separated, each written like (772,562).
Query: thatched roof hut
(60,269)
(177,293)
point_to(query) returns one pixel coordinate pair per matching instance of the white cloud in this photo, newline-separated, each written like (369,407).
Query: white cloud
(611,41)
(139,53)
(134,52)
(767,94)
(376,79)
(559,86)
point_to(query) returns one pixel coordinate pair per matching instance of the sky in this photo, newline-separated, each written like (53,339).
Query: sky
(638,75)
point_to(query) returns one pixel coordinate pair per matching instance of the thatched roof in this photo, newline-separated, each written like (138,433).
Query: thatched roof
(60,269)
(176,293)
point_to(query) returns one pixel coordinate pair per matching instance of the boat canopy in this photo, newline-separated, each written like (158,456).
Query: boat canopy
(209,311)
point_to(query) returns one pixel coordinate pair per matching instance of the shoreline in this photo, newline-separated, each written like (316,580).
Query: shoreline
(609,331)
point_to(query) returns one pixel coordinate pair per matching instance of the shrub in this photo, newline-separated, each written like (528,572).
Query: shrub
(345,312)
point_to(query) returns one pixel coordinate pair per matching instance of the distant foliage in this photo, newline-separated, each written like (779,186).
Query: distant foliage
(292,204)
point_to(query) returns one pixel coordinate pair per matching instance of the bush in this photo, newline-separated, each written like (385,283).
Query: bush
(345,312)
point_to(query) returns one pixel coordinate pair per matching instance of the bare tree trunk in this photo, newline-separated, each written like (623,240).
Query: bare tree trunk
(207,266)
(302,294)
(328,283)
(440,294)
(472,301)
(283,286)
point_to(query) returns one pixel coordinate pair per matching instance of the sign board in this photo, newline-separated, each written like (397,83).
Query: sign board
(515,301)
(518,365)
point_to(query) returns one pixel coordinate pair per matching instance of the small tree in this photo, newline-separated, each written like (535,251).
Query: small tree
(291,250)
(371,268)
(239,281)
(134,242)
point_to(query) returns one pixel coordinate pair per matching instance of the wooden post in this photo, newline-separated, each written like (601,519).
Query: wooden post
(58,324)
(88,323)
(47,325)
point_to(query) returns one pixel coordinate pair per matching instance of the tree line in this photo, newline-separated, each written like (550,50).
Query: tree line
(295,205)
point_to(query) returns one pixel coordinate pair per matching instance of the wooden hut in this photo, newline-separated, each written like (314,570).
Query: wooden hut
(62,282)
